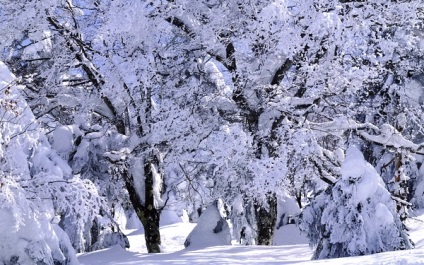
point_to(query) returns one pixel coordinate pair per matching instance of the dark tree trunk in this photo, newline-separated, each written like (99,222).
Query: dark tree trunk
(94,232)
(299,199)
(150,220)
(151,214)
(265,220)
(147,213)
(401,191)
(266,215)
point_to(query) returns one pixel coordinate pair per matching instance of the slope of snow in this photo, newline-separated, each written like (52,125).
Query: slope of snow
(291,251)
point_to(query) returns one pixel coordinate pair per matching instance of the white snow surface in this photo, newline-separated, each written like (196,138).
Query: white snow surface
(203,234)
(292,250)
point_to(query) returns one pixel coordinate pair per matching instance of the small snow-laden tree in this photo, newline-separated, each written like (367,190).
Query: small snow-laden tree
(356,216)
(83,147)
(36,185)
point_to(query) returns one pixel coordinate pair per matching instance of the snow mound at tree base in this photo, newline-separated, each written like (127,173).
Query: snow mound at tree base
(211,230)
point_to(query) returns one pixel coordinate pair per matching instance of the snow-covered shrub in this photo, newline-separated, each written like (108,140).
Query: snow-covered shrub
(29,170)
(83,151)
(211,230)
(39,190)
(94,232)
(356,216)
(27,235)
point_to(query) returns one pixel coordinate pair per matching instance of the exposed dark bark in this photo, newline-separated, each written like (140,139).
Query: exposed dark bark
(322,176)
(402,192)
(266,219)
(151,214)
(94,232)
(119,123)
(230,53)
(266,215)
(181,25)
(147,213)
(299,199)
(301,91)
(279,74)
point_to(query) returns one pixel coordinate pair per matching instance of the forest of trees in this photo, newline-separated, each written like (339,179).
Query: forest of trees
(139,106)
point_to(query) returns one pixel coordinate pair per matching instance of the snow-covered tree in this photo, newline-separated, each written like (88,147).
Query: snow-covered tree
(356,216)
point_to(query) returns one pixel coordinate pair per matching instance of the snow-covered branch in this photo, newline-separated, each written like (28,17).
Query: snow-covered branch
(385,135)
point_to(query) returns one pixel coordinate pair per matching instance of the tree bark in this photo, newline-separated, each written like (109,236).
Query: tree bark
(151,214)
(298,197)
(265,220)
(146,212)
(401,189)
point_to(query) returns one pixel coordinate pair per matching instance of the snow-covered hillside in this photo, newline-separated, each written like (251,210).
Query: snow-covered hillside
(292,250)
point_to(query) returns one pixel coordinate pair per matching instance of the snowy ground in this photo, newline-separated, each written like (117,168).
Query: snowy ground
(291,250)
